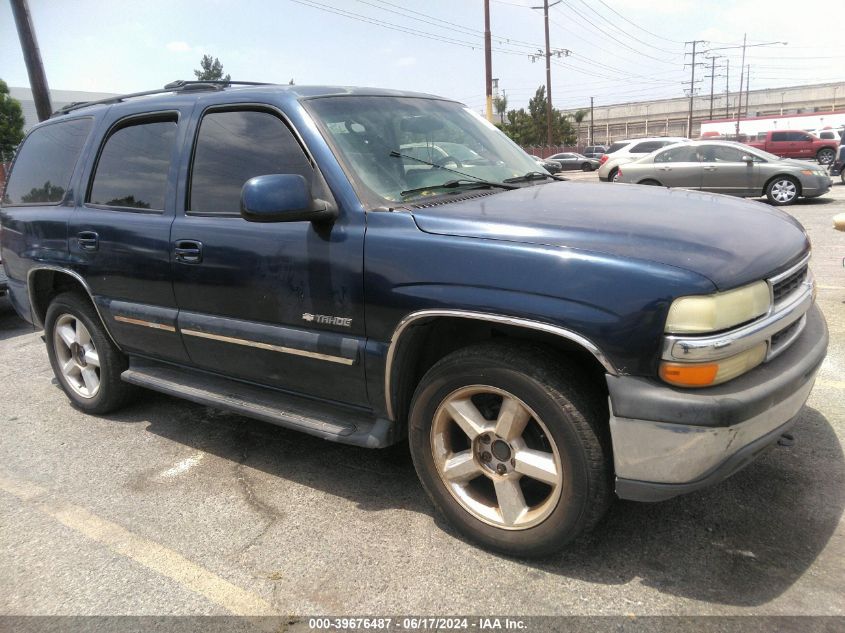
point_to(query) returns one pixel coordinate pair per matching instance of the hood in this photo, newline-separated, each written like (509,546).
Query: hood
(728,240)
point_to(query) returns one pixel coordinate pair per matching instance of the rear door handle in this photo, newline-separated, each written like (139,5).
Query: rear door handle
(188,251)
(88,240)
(710,168)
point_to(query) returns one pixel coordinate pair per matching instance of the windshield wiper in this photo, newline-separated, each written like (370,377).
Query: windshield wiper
(475,179)
(533,175)
(460,182)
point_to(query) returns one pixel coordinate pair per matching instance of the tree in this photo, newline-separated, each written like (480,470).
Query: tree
(11,124)
(211,70)
(579,117)
(500,104)
(529,128)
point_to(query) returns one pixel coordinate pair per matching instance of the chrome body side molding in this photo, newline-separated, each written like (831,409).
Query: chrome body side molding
(269,347)
(481,316)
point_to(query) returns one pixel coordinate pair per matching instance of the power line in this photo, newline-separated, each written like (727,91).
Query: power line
(634,24)
(628,34)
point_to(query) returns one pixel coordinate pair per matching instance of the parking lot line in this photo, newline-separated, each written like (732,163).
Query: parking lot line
(150,554)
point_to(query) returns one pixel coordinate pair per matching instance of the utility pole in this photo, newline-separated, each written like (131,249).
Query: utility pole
(558,53)
(747,84)
(741,71)
(713,76)
(728,88)
(488,61)
(32,58)
(692,84)
(592,132)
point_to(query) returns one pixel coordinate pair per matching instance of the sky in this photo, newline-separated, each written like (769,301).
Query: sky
(620,50)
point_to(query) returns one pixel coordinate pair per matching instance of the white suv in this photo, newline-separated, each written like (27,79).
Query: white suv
(622,152)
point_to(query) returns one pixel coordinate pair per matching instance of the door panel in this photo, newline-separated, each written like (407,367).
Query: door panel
(687,175)
(724,171)
(119,237)
(279,304)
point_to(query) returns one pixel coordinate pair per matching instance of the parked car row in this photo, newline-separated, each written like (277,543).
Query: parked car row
(622,152)
(729,168)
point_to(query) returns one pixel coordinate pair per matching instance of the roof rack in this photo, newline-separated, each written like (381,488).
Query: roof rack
(179,85)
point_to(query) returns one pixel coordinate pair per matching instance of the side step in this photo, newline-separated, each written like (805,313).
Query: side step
(301,414)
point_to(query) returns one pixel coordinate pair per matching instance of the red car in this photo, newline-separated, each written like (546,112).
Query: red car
(797,144)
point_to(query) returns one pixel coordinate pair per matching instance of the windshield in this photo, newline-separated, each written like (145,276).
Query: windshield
(397,147)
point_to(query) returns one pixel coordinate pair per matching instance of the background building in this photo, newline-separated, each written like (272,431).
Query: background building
(59,99)
(668,117)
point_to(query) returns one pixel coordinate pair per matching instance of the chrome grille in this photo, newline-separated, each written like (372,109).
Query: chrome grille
(785,287)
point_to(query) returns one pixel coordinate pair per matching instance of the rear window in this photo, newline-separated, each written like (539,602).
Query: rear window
(615,147)
(45,163)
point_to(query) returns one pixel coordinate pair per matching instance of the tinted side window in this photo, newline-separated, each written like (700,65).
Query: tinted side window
(133,166)
(720,154)
(796,136)
(615,147)
(233,147)
(684,154)
(647,148)
(779,136)
(45,163)
(827,135)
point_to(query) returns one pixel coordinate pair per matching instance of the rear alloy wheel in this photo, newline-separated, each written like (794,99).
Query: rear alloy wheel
(613,176)
(782,190)
(506,441)
(825,156)
(86,362)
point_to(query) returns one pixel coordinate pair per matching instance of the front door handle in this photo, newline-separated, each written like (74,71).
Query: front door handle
(88,240)
(188,251)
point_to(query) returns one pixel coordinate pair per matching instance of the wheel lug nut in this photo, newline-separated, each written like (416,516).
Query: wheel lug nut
(486,457)
(501,469)
(485,439)
(513,462)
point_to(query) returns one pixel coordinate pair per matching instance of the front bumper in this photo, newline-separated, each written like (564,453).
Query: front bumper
(813,186)
(669,441)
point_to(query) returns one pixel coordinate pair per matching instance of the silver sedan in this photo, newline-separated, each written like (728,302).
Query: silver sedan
(730,168)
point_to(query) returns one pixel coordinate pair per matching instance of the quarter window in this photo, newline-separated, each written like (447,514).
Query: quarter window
(133,166)
(45,163)
(234,146)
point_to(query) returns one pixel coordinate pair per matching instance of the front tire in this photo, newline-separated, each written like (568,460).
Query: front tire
(586,167)
(613,176)
(783,190)
(86,362)
(508,444)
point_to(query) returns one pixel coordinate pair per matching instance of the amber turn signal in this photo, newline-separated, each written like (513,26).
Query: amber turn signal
(684,375)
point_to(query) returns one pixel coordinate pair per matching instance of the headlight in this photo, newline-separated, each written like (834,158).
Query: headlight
(720,311)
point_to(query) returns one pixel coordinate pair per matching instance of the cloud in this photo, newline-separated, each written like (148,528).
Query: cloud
(403,62)
(178,47)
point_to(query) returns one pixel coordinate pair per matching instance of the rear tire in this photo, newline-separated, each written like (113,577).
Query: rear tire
(783,190)
(86,362)
(825,156)
(651,182)
(510,445)
(586,167)
(614,173)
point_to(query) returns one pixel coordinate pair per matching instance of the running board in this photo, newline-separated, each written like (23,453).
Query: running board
(300,414)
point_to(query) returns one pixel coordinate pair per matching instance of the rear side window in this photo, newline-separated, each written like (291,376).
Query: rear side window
(134,164)
(647,148)
(45,163)
(778,136)
(827,135)
(234,146)
(615,147)
(685,154)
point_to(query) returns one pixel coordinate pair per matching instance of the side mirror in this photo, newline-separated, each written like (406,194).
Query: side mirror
(282,198)
(748,159)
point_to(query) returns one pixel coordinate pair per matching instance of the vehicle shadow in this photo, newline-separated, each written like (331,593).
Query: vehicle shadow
(10,323)
(742,543)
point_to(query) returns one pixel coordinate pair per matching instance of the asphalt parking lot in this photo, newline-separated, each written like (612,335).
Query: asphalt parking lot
(172,508)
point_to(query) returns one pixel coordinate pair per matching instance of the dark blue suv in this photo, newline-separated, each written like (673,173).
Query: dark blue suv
(373,266)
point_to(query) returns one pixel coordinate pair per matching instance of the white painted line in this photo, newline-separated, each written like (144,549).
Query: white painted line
(150,554)
(184,466)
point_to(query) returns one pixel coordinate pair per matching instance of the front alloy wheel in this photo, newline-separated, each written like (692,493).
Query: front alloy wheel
(504,470)
(825,156)
(510,442)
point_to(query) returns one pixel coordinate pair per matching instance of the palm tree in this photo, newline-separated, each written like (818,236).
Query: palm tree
(501,106)
(579,116)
